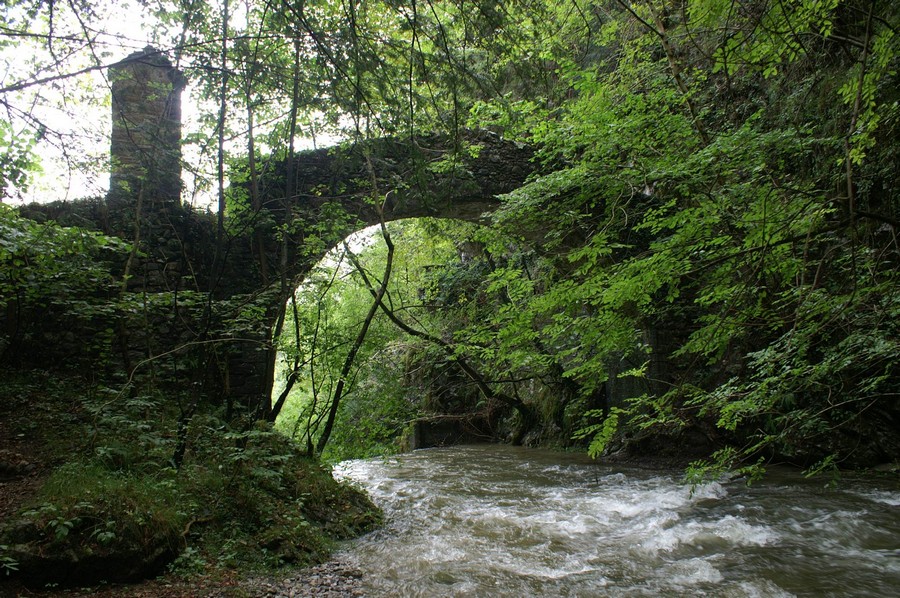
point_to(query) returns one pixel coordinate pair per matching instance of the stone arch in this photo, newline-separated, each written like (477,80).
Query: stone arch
(331,198)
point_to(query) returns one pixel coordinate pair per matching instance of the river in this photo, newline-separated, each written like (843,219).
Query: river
(498,521)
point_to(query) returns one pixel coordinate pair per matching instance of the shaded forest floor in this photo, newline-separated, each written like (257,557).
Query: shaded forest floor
(46,422)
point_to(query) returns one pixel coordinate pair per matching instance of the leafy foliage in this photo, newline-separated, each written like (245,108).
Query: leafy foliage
(242,496)
(17,160)
(717,219)
(717,206)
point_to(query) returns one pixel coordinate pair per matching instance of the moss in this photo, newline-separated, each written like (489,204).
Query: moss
(114,509)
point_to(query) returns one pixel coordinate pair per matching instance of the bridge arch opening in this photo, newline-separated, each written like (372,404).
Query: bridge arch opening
(301,208)
(375,385)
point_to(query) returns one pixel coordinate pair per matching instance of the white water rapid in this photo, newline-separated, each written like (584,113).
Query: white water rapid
(498,521)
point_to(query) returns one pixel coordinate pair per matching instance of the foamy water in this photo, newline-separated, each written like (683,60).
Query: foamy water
(502,521)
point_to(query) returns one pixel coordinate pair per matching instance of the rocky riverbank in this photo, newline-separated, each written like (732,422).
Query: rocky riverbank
(332,579)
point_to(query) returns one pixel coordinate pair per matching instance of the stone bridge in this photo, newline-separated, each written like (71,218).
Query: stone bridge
(335,194)
(192,300)
(198,301)
(199,281)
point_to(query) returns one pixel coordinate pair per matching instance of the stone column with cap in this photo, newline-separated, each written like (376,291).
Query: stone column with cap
(145,149)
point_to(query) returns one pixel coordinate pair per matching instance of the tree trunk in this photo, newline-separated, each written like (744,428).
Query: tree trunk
(360,338)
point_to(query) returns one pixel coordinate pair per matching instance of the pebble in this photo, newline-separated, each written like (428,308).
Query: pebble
(333,579)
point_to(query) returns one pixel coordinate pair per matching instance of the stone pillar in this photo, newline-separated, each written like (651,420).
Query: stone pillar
(145,149)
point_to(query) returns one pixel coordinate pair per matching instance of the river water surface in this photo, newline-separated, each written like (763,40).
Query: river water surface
(503,521)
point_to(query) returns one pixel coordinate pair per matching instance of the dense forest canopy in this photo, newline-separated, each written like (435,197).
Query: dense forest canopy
(701,265)
(714,228)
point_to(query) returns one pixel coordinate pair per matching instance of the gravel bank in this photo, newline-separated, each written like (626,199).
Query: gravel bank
(334,579)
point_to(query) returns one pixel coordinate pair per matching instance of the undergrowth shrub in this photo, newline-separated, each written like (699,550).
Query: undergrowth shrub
(110,508)
(118,509)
